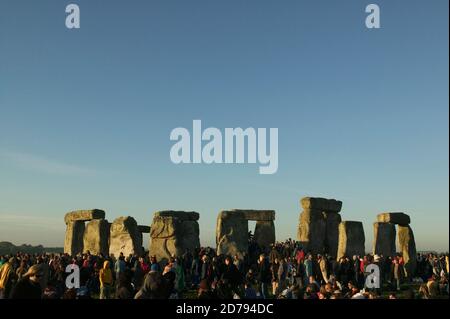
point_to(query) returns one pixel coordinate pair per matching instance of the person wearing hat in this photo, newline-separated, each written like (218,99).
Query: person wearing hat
(29,287)
(7,278)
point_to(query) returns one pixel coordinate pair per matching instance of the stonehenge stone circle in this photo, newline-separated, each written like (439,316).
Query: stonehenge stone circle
(318,225)
(407,246)
(320,231)
(125,237)
(351,239)
(96,237)
(73,243)
(173,232)
(394,218)
(384,243)
(232,230)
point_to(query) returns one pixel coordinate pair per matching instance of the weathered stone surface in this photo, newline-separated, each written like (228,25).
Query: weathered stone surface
(144,229)
(384,239)
(232,233)
(194,216)
(394,218)
(351,239)
(321,204)
(84,215)
(258,215)
(125,237)
(96,237)
(312,231)
(173,234)
(264,233)
(332,233)
(73,243)
(407,246)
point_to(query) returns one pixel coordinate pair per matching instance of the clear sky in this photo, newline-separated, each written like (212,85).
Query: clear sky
(85,115)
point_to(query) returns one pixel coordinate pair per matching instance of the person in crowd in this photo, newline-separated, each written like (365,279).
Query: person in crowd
(204,291)
(195,269)
(423,292)
(7,278)
(250,291)
(323,264)
(124,288)
(231,274)
(264,276)
(281,276)
(29,286)
(295,272)
(206,272)
(119,266)
(433,286)
(397,273)
(22,270)
(106,280)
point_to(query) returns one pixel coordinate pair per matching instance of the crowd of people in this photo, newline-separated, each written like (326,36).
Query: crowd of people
(283,271)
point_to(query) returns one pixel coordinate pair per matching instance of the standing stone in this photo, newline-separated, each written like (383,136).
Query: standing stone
(407,246)
(351,239)
(232,230)
(96,237)
(232,234)
(384,239)
(73,243)
(332,233)
(264,233)
(125,237)
(172,233)
(312,231)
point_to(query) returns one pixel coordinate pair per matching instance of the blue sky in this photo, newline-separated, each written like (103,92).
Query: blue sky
(85,115)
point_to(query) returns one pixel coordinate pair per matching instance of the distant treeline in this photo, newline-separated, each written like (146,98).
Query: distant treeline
(7,248)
